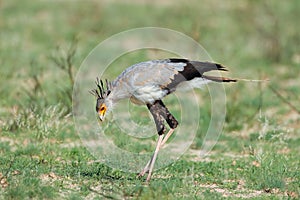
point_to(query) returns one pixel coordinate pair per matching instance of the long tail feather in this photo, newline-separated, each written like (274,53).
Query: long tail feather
(219,79)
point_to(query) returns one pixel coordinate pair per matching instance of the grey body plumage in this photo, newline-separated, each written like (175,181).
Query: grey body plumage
(147,83)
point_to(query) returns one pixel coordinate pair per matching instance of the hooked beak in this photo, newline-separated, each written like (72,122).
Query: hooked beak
(101,117)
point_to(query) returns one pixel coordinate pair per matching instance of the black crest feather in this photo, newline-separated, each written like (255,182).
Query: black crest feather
(101,92)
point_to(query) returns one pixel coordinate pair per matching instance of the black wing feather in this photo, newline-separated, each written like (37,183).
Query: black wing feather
(195,69)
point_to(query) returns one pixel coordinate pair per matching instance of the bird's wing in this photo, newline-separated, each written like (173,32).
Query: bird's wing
(152,80)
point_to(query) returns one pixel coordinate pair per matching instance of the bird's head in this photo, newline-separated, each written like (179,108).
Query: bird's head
(102,106)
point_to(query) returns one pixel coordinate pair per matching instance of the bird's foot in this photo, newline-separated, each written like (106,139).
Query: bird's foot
(146,168)
(143,172)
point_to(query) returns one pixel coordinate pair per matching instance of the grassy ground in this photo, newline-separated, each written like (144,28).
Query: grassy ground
(257,155)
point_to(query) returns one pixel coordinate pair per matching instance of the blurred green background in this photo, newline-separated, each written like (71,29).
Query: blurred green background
(43,43)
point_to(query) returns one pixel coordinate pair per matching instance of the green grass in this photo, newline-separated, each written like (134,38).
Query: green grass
(41,154)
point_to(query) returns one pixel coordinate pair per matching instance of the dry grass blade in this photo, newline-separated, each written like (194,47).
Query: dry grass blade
(284,100)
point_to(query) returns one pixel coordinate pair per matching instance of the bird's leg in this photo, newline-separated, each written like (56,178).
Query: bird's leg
(152,160)
(172,122)
(167,137)
(159,122)
(160,138)
(159,113)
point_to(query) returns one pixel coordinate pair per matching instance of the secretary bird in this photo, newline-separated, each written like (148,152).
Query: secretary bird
(147,83)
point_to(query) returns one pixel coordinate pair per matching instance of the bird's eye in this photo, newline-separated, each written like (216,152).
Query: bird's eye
(102,108)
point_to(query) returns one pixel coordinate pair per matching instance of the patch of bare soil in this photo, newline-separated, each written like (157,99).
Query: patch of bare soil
(239,192)
(3,181)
